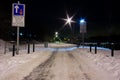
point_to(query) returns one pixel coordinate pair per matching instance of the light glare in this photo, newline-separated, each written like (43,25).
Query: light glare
(82,20)
(68,20)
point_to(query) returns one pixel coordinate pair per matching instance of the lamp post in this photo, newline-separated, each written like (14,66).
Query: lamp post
(82,29)
(56,34)
(68,21)
(56,37)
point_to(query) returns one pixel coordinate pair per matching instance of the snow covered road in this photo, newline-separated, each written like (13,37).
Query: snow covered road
(68,65)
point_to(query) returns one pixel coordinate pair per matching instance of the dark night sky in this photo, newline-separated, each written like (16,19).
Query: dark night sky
(43,16)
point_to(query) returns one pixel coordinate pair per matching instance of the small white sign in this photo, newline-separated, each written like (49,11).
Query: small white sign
(18,21)
(83,27)
(18,15)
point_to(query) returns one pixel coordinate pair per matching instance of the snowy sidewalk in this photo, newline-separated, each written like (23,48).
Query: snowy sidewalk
(15,68)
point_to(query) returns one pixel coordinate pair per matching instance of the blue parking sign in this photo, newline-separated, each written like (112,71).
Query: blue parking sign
(18,9)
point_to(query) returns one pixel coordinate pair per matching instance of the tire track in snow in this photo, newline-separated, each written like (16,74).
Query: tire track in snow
(42,71)
(73,58)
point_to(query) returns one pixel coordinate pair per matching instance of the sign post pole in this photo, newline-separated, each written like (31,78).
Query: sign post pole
(17,52)
(18,19)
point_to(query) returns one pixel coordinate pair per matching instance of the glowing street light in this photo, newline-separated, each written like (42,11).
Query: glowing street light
(56,34)
(68,20)
(82,20)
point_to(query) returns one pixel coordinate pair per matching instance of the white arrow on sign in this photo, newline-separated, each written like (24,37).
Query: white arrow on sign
(16,8)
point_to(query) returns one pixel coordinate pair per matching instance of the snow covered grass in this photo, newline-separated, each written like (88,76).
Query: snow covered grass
(103,60)
(20,65)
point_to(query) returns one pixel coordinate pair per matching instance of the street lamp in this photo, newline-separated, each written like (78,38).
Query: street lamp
(56,37)
(68,20)
(82,20)
(56,34)
(82,29)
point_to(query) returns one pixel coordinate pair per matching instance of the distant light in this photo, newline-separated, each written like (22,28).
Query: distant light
(56,34)
(21,34)
(82,20)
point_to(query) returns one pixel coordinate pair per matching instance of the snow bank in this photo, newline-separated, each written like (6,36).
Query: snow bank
(104,61)
(15,68)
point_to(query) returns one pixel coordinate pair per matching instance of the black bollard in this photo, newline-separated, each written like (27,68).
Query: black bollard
(33,47)
(112,49)
(90,47)
(112,52)
(28,48)
(95,49)
(13,50)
